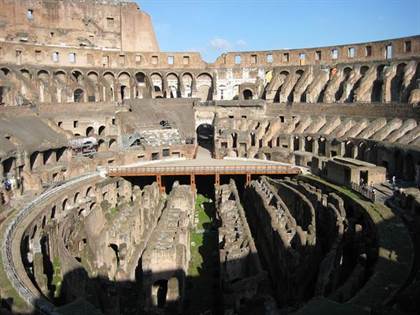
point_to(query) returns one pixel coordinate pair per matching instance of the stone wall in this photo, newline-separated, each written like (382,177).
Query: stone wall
(242,277)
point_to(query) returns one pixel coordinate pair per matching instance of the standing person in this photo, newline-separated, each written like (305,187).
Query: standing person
(393,182)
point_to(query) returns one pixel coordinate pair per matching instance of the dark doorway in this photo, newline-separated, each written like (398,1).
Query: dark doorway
(205,136)
(247,95)
(78,96)
(162,291)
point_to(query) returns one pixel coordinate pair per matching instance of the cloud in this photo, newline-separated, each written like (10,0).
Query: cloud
(240,43)
(220,44)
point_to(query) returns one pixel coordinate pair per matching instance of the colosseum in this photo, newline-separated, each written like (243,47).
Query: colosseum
(136,181)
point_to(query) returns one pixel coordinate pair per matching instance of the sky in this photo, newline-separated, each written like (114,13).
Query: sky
(212,27)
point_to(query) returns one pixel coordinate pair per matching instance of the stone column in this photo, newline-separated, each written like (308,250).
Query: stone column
(302,144)
(315,146)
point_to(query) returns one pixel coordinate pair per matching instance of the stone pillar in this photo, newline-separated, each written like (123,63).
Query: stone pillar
(291,137)
(354,151)
(302,144)
(342,149)
(315,146)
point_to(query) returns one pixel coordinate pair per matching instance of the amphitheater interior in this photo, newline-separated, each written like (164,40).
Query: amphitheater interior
(136,181)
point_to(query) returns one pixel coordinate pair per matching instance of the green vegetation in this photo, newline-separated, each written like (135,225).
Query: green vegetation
(203,282)
(197,235)
(57,278)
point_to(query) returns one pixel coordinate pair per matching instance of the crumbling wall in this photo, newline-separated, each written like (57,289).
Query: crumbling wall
(241,273)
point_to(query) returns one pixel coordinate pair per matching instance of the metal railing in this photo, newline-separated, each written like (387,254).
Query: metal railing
(202,170)
(366,191)
(41,304)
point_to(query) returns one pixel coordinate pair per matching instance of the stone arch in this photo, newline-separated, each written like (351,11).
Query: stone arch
(43,75)
(173,85)
(124,80)
(90,131)
(53,211)
(140,78)
(205,135)
(78,95)
(247,94)
(299,73)
(26,73)
(76,198)
(188,84)
(35,160)
(64,204)
(396,83)
(5,70)
(89,192)
(205,86)
(60,76)
(101,130)
(157,85)
(77,75)
(282,77)
(377,86)
(346,74)
(141,84)
(112,144)
(109,88)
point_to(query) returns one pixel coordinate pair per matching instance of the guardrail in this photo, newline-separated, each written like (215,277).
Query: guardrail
(201,170)
(41,304)
(365,191)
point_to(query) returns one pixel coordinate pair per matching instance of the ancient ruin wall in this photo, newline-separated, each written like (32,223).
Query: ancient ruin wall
(241,273)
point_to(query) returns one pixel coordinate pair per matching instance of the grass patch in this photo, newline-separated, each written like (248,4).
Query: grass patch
(57,278)
(197,235)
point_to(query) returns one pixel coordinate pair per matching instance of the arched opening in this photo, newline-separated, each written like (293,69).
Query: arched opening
(299,74)
(247,94)
(112,144)
(187,81)
(114,247)
(122,92)
(157,84)
(101,130)
(377,84)
(90,132)
(346,73)
(173,84)
(78,96)
(159,292)
(140,78)
(124,81)
(363,71)
(396,83)
(34,160)
(282,78)
(77,75)
(53,212)
(322,147)
(205,136)
(205,87)
(308,144)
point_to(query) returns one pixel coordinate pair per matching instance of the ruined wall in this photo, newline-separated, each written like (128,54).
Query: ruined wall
(241,274)
(308,257)
(118,25)
(166,258)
